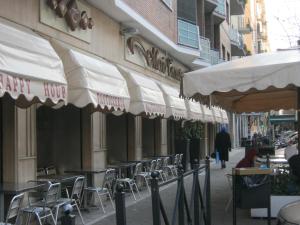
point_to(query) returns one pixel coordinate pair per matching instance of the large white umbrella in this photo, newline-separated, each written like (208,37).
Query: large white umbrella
(251,84)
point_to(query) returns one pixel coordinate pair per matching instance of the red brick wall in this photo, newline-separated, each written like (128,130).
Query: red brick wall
(158,14)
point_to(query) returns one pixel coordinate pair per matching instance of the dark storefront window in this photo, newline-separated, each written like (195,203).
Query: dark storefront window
(59,138)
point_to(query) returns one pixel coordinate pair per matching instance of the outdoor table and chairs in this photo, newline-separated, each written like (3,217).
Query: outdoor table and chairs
(10,189)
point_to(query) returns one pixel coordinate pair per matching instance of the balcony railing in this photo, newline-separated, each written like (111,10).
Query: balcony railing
(236,38)
(188,34)
(205,49)
(220,9)
(244,26)
(215,57)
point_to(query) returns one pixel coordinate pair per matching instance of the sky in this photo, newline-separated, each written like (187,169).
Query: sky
(283,21)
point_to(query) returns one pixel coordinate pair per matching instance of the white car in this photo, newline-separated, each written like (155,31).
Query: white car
(289,214)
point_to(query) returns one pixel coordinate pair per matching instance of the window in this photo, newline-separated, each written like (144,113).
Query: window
(186,10)
(168,3)
(188,34)
(223,53)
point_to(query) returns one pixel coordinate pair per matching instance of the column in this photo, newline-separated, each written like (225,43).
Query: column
(164,138)
(204,143)
(138,150)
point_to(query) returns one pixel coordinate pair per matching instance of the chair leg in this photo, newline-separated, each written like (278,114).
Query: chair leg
(146,181)
(137,190)
(100,200)
(130,186)
(56,213)
(52,217)
(39,219)
(228,204)
(112,203)
(75,204)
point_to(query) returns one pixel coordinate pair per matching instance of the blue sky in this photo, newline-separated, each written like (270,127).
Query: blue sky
(283,19)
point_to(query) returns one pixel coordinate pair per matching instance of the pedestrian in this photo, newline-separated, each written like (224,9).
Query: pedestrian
(223,145)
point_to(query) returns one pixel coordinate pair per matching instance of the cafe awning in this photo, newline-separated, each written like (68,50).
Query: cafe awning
(145,95)
(194,110)
(208,114)
(29,67)
(175,105)
(217,115)
(92,80)
(224,116)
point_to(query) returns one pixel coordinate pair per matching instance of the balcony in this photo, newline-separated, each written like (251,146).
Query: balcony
(205,49)
(244,26)
(262,36)
(237,7)
(188,34)
(215,57)
(237,43)
(220,12)
(210,5)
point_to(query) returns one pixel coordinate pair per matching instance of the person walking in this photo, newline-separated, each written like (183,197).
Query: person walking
(223,146)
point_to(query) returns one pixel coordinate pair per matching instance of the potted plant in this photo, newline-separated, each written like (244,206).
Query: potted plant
(195,133)
(182,142)
(285,189)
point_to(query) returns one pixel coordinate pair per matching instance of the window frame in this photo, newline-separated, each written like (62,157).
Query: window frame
(169,5)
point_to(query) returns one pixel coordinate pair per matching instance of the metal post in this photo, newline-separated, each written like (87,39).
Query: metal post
(120,205)
(233,197)
(181,196)
(298,116)
(155,198)
(268,161)
(208,197)
(196,194)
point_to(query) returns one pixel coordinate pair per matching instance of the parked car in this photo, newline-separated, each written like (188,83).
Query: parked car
(289,214)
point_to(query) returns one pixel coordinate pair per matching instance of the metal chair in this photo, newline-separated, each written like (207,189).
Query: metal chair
(131,183)
(105,189)
(75,198)
(144,175)
(14,209)
(43,209)
(229,201)
(159,169)
(166,167)
(173,167)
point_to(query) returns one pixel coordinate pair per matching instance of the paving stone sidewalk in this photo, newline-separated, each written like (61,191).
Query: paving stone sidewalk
(140,213)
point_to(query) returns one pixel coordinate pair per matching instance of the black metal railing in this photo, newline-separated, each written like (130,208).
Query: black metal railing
(195,212)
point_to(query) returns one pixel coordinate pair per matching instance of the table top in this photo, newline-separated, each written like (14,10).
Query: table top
(85,171)
(122,165)
(57,178)
(251,171)
(14,188)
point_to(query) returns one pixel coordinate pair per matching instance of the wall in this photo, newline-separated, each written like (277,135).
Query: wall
(158,14)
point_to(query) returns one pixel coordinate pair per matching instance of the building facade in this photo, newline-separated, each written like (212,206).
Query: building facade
(120,65)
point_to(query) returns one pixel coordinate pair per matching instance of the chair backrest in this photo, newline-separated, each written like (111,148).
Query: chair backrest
(180,159)
(158,164)
(51,170)
(41,172)
(14,207)
(77,188)
(153,165)
(138,168)
(176,159)
(110,175)
(166,162)
(52,194)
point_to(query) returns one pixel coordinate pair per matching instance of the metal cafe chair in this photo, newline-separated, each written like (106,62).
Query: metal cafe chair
(173,167)
(166,169)
(159,169)
(75,198)
(105,189)
(43,209)
(14,209)
(131,183)
(139,173)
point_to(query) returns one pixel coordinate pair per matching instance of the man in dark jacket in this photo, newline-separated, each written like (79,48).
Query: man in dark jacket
(223,145)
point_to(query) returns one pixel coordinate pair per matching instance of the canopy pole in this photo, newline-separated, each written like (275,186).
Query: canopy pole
(298,118)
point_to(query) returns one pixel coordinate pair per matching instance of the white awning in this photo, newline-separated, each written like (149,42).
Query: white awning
(92,80)
(29,66)
(217,114)
(194,110)
(175,104)
(224,116)
(145,95)
(208,114)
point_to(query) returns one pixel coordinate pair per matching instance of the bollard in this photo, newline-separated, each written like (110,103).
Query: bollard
(181,195)
(120,205)
(208,198)
(155,198)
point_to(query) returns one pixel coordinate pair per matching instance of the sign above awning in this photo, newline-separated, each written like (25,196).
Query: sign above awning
(145,95)
(92,80)
(175,104)
(194,110)
(29,67)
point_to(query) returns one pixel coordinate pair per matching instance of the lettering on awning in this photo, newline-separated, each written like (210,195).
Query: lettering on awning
(113,101)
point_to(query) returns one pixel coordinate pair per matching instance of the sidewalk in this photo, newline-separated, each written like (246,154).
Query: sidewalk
(140,212)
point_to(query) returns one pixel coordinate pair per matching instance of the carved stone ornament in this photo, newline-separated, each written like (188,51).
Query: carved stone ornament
(69,10)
